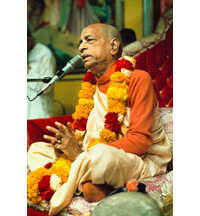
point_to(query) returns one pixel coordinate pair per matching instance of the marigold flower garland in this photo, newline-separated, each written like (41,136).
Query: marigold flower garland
(117,95)
(43,182)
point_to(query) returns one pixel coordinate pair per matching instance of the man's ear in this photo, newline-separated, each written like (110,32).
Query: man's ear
(114,46)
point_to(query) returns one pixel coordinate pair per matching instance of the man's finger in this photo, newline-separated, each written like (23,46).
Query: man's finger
(49,145)
(53,140)
(69,125)
(52,129)
(62,127)
(58,136)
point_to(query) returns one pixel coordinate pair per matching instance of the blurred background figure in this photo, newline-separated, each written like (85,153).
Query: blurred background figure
(40,63)
(128,36)
(36,10)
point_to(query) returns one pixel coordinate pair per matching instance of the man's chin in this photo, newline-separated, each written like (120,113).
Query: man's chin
(88,65)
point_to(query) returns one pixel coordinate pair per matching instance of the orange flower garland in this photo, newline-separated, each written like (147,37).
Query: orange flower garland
(43,182)
(117,95)
(83,109)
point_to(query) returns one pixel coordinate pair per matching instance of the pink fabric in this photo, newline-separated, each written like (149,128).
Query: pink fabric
(154,186)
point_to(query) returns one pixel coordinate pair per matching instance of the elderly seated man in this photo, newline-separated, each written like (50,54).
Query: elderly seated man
(123,138)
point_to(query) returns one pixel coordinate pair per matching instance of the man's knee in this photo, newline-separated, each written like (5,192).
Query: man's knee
(34,146)
(106,155)
(106,163)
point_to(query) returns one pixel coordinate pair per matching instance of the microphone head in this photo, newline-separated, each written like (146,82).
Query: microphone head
(76,60)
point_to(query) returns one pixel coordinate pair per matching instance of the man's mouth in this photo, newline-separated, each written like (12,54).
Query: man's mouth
(85,57)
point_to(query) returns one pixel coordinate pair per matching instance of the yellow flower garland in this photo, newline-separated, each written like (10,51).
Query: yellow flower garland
(82,111)
(115,106)
(61,168)
(32,185)
(117,95)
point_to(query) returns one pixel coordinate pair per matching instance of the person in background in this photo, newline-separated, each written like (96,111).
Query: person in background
(128,36)
(40,63)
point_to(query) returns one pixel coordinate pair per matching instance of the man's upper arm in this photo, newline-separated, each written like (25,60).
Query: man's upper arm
(142,102)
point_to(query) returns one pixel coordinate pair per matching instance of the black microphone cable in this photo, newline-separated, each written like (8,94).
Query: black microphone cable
(32,99)
(44,80)
(60,74)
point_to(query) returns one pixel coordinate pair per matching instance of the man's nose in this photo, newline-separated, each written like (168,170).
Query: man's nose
(82,47)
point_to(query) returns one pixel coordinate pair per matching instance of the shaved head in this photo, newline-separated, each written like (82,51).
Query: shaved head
(110,32)
(100,46)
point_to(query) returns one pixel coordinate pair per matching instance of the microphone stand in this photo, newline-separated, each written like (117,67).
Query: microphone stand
(48,79)
(44,80)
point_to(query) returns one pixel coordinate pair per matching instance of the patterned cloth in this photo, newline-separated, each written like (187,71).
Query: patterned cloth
(156,187)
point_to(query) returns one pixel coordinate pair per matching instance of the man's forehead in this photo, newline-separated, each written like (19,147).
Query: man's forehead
(92,31)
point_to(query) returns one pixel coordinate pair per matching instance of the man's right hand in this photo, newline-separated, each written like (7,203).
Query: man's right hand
(67,141)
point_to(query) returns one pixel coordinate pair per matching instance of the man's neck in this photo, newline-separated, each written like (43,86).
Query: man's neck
(98,75)
(101,71)
(102,68)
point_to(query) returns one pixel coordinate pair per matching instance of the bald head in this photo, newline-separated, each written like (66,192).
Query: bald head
(112,32)
(109,32)
(100,46)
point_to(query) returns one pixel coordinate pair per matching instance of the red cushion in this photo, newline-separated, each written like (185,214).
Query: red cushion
(158,61)
(33,212)
(36,128)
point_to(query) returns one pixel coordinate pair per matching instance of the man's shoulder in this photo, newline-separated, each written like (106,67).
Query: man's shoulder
(140,75)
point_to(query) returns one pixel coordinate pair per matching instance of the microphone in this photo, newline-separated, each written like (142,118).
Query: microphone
(61,73)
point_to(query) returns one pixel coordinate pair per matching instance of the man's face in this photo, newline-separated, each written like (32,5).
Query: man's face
(95,49)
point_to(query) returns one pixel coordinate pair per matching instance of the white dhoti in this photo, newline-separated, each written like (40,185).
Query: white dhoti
(102,163)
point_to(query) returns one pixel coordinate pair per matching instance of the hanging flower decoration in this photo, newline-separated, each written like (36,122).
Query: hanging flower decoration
(43,182)
(117,95)
(85,105)
(112,122)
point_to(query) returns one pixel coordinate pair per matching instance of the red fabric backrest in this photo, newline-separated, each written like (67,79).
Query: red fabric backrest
(158,61)
(36,128)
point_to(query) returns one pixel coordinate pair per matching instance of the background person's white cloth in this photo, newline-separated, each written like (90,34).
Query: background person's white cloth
(42,64)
